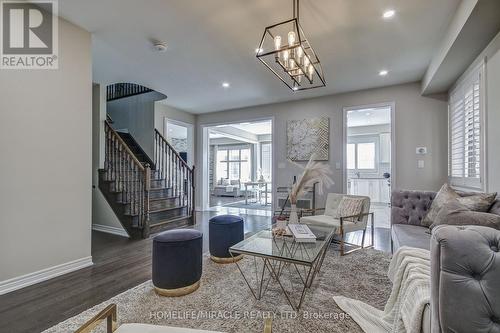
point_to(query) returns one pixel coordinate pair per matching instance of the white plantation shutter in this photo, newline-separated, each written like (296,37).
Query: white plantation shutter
(466,131)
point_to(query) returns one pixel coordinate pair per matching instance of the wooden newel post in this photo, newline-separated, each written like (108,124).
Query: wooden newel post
(147,187)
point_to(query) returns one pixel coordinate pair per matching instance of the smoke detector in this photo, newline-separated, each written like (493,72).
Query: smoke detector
(160,46)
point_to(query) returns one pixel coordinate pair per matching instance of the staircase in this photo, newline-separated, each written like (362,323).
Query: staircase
(146,196)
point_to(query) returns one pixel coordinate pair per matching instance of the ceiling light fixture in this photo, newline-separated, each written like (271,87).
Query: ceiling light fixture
(389,13)
(160,46)
(383,72)
(225,84)
(258,50)
(287,53)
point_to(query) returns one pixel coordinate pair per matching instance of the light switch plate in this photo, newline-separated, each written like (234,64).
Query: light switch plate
(421,164)
(337,166)
(281,165)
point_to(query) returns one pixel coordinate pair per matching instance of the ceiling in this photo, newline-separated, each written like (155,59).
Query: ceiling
(210,42)
(369,117)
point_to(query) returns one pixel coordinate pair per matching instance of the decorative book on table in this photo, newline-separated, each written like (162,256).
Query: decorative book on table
(301,233)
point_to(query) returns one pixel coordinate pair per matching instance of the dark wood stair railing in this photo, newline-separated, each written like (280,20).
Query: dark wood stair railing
(175,172)
(131,178)
(122,90)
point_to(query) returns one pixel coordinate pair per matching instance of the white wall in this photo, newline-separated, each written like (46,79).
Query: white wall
(103,217)
(46,164)
(420,121)
(136,114)
(163,111)
(493,110)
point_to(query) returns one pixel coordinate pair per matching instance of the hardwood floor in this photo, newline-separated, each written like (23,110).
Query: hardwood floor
(119,264)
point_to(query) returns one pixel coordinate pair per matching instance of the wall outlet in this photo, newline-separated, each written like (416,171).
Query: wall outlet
(421,164)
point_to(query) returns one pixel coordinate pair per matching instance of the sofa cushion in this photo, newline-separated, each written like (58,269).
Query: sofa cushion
(445,195)
(145,328)
(495,208)
(454,213)
(478,202)
(410,235)
(410,207)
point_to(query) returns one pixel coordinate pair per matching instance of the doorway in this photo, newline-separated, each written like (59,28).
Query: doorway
(239,168)
(181,136)
(369,156)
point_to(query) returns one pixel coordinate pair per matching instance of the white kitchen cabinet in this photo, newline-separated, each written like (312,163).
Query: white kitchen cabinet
(375,188)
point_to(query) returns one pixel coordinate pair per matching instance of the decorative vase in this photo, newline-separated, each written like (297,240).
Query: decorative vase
(294,218)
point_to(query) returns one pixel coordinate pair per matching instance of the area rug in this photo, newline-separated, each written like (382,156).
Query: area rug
(224,303)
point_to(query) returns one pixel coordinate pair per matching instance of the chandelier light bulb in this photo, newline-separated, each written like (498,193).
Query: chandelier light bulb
(291,38)
(277,42)
(292,63)
(300,53)
(306,62)
(310,69)
(285,56)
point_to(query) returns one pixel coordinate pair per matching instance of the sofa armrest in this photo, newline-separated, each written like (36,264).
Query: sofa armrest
(465,279)
(410,207)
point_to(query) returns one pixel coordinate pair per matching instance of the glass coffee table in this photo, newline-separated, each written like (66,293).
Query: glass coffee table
(278,254)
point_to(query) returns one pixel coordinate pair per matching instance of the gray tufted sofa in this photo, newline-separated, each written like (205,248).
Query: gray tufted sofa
(408,210)
(465,280)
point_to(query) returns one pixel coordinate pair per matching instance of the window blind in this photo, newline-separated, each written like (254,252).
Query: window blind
(466,131)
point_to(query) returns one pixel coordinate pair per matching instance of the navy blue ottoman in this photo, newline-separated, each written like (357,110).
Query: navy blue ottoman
(224,232)
(177,262)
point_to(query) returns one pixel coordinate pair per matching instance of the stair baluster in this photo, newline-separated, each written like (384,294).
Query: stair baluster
(175,173)
(131,178)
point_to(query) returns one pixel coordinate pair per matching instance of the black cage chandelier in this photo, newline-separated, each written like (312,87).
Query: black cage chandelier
(285,50)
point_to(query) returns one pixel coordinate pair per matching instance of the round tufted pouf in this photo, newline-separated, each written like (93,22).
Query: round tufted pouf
(177,262)
(224,232)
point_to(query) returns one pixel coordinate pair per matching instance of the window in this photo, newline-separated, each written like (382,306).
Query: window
(362,154)
(266,160)
(466,159)
(366,156)
(233,164)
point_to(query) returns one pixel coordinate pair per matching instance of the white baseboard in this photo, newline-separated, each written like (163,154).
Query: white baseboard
(22,281)
(110,230)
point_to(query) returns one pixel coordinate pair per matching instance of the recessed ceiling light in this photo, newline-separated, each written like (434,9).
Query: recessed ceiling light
(295,88)
(225,84)
(368,114)
(383,72)
(389,13)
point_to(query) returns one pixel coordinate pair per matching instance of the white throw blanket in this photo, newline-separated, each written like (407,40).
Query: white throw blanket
(409,271)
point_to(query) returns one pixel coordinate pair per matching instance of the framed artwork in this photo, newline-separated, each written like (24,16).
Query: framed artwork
(307,137)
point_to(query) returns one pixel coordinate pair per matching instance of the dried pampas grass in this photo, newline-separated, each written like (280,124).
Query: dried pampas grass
(314,172)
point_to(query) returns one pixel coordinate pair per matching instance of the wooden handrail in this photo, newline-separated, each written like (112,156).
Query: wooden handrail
(127,149)
(174,151)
